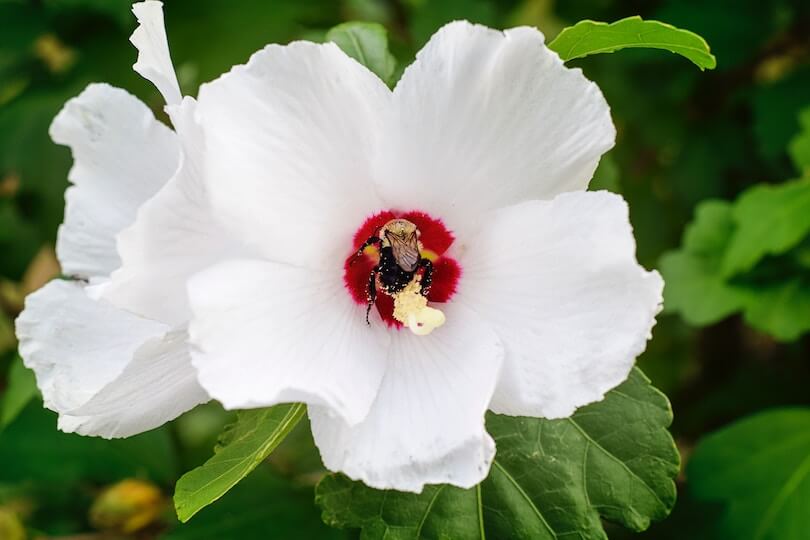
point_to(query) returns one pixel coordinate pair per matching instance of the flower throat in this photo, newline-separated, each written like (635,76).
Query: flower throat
(399,265)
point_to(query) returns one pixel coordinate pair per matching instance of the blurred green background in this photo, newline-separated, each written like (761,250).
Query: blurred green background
(684,136)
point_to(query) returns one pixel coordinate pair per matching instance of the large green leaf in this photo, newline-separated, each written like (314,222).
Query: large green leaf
(368,44)
(245,444)
(770,220)
(759,468)
(591,37)
(550,479)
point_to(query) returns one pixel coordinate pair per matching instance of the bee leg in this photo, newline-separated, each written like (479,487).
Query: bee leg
(427,275)
(372,293)
(370,242)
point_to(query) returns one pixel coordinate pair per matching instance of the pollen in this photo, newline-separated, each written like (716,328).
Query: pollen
(411,309)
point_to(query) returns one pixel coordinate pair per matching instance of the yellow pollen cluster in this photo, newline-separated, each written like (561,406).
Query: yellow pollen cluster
(411,309)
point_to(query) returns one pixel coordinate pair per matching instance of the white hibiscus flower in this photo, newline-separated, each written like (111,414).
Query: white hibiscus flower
(486,146)
(468,181)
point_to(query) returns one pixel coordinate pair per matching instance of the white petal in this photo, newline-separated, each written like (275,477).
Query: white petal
(154,61)
(268,333)
(158,385)
(484,119)
(289,137)
(427,424)
(122,156)
(77,345)
(559,282)
(174,236)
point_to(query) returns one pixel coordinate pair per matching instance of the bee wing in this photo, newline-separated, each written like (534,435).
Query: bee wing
(406,251)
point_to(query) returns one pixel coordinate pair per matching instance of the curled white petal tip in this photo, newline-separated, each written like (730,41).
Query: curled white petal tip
(154,61)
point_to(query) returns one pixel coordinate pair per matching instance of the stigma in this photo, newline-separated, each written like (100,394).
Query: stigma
(411,309)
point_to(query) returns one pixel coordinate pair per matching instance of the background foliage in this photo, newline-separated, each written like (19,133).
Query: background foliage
(714,164)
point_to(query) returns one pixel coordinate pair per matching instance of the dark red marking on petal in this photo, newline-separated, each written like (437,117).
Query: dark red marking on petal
(434,237)
(446,274)
(356,275)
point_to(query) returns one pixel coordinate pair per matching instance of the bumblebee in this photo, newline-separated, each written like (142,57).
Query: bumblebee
(401,261)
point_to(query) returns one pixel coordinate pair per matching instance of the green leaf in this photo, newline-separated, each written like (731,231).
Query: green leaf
(438,512)
(764,220)
(262,507)
(799,147)
(550,479)
(20,389)
(244,445)
(770,220)
(368,44)
(694,286)
(591,37)
(759,468)
(780,309)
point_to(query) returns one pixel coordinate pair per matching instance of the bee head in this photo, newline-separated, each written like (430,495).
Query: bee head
(401,228)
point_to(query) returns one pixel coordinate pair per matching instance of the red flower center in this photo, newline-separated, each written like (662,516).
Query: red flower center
(435,240)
